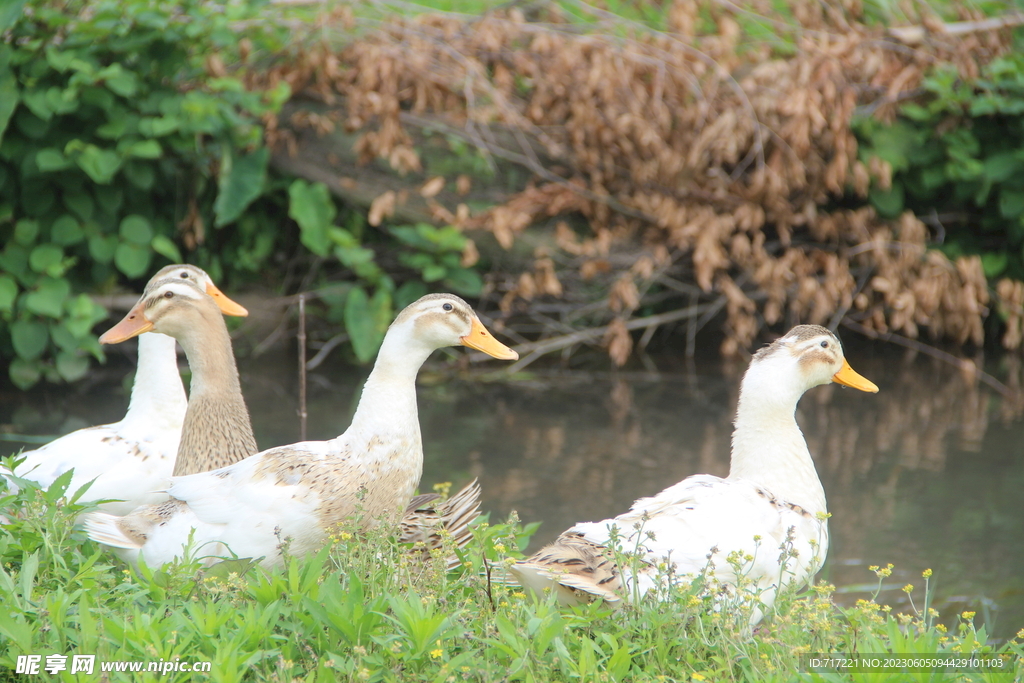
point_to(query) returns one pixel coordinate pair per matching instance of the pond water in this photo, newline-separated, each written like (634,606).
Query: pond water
(928,473)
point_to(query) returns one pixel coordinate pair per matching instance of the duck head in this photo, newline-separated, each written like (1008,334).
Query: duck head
(438,320)
(172,306)
(807,356)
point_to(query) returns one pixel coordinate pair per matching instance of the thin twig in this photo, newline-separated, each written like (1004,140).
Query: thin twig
(302,367)
(325,350)
(906,342)
(544,346)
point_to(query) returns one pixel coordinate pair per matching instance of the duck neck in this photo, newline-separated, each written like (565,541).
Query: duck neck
(768,448)
(387,407)
(157,393)
(217,429)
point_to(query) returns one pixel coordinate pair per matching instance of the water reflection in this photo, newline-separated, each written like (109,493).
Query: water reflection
(925,474)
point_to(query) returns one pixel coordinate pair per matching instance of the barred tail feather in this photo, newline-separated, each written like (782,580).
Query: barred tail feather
(579,570)
(103,528)
(426,520)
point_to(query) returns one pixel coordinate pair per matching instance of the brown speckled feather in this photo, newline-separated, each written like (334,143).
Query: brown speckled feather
(576,568)
(426,521)
(217,432)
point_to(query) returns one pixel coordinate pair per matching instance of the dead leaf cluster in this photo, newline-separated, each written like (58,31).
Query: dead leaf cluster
(707,166)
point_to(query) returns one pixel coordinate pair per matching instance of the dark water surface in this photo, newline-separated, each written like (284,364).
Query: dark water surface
(928,473)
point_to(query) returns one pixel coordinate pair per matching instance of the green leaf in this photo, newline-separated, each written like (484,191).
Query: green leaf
(145,149)
(132,259)
(8,292)
(48,297)
(994,263)
(434,272)
(38,103)
(163,245)
(83,314)
(102,247)
(119,80)
(366,321)
(889,203)
(1002,166)
(29,338)
(409,292)
(23,373)
(464,281)
(10,12)
(72,366)
(51,159)
(136,229)
(241,181)
(26,231)
(66,230)
(141,175)
(1011,202)
(79,201)
(31,125)
(45,256)
(312,208)
(109,198)
(98,164)
(9,95)
(14,260)
(154,127)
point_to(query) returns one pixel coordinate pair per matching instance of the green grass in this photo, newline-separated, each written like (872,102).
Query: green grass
(360,611)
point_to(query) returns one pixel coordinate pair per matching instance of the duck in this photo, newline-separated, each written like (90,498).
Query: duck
(765,522)
(293,496)
(130,460)
(216,430)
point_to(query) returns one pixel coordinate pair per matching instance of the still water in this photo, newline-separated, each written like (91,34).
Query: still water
(928,473)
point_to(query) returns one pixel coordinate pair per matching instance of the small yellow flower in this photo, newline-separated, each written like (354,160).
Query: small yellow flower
(503,603)
(967,616)
(697,677)
(346,536)
(908,589)
(873,568)
(500,547)
(927,573)
(436,654)
(941,628)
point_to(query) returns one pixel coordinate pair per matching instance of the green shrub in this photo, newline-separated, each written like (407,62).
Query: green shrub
(957,160)
(114,145)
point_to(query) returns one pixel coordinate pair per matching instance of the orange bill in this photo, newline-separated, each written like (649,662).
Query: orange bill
(132,325)
(848,377)
(481,340)
(227,306)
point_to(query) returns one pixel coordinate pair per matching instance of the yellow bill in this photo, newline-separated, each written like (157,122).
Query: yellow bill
(227,306)
(848,377)
(482,340)
(132,325)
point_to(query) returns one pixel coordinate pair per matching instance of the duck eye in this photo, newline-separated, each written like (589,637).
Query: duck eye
(168,295)
(824,344)
(447,307)
(184,275)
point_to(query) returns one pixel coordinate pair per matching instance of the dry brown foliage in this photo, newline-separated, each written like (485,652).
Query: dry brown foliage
(707,167)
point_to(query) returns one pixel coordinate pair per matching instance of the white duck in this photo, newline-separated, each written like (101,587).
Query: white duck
(769,513)
(296,493)
(128,461)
